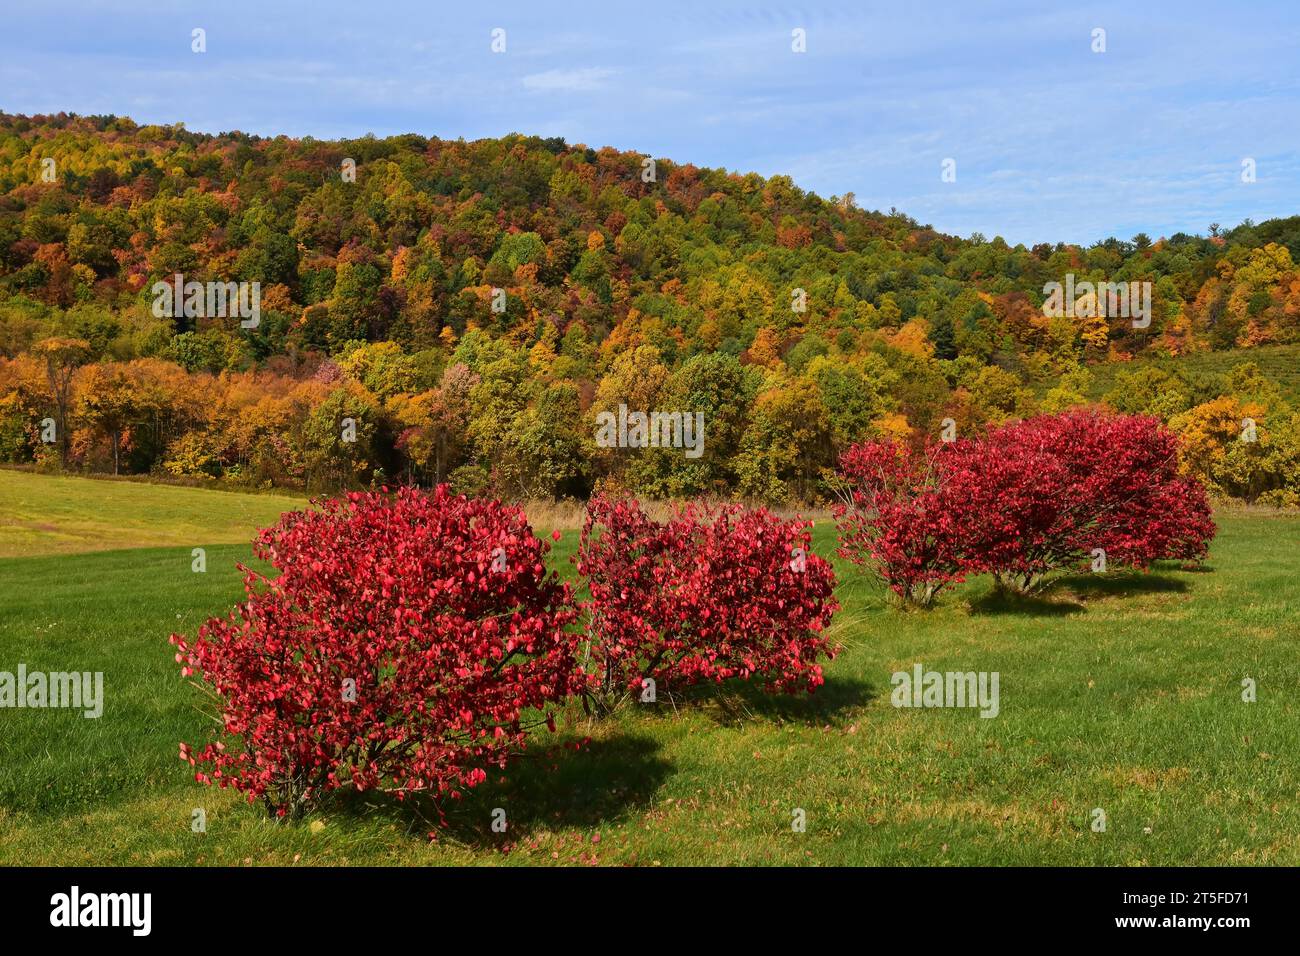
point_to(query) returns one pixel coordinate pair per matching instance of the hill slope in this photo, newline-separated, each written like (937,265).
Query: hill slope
(471,306)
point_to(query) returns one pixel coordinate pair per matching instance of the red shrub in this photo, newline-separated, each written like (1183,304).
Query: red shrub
(437,606)
(1045,493)
(705,596)
(1020,501)
(895,520)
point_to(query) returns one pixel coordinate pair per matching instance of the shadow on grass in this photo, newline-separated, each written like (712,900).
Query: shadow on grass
(1029,605)
(738,701)
(1060,596)
(545,787)
(1119,584)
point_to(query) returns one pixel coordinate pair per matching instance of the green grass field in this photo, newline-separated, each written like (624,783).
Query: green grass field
(1279,363)
(42,514)
(1120,692)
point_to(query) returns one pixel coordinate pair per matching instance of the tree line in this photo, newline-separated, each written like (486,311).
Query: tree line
(441,310)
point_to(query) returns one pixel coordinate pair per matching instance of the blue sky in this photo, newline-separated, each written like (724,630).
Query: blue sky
(1052,142)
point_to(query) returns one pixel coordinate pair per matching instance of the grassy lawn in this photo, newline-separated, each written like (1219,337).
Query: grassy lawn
(44,514)
(1119,692)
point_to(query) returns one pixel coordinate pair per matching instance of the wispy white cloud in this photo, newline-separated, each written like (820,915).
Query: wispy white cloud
(582,80)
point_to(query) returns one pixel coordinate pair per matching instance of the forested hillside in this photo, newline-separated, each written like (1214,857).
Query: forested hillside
(470,307)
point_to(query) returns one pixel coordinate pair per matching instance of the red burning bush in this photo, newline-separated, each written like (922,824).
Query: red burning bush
(708,595)
(895,518)
(400,649)
(1022,500)
(1053,491)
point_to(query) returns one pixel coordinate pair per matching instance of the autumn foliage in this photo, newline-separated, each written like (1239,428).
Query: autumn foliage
(412,640)
(1022,500)
(708,595)
(896,517)
(1053,491)
(470,307)
(403,647)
